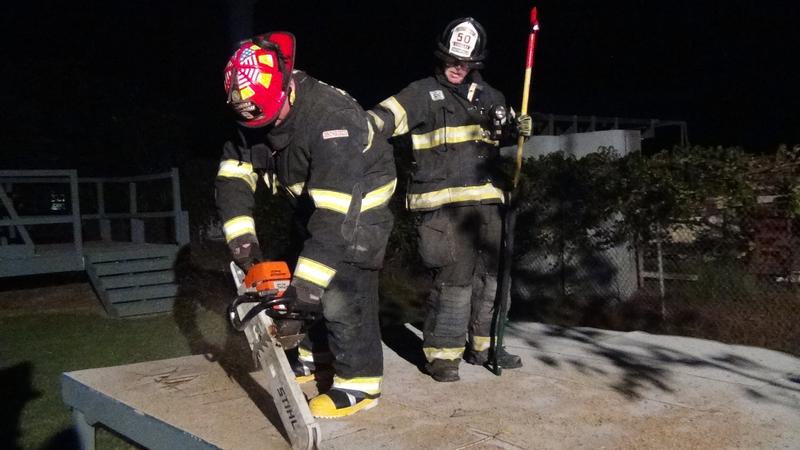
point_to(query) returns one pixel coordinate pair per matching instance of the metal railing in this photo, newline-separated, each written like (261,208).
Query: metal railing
(556,124)
(136,217)
(17,223)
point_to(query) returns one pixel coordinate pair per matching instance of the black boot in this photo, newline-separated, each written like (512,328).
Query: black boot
(443,370)
(507,360)
(504,359)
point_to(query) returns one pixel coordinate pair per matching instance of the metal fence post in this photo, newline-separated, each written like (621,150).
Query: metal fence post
(180,219)
(77,234)
(137,225)
(105,224)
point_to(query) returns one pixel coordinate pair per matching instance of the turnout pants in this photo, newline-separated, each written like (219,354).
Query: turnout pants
(350,330)
(462,246)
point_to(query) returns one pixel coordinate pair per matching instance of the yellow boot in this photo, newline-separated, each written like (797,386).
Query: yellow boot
(339,402)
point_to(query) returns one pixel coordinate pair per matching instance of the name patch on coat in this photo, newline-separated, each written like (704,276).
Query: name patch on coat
(437,95)
(331,134)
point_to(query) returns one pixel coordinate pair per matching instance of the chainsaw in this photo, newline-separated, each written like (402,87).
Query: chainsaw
(261,312)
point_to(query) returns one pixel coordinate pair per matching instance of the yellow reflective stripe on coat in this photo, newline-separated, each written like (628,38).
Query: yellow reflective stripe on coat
(370,385)
(340,202)
(296,189)
(332,200)
(313,271)
(370,136)
(454,195)
(379,196)
(481,343)
(231,168)
(304,354)
(432,353)
(238,226)
(378,121)
(400,116)
(450,135)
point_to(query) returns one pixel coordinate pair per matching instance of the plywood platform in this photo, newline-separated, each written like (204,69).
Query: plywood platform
(579,388)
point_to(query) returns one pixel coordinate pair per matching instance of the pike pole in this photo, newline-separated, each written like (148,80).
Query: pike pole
(504,295)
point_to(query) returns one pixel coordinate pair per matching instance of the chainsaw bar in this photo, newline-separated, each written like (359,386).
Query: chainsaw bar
(302,428)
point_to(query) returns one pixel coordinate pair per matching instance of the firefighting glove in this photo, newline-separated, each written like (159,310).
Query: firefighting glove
(245,251)
(524,125)
(303,297)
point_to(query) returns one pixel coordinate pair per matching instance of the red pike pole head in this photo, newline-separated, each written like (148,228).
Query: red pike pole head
(526,88)
(532,38)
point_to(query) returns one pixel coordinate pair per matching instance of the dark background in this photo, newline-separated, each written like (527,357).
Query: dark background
(136,86)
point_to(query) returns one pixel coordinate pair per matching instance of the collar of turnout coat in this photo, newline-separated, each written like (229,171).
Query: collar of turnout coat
(461,89)
(279,137)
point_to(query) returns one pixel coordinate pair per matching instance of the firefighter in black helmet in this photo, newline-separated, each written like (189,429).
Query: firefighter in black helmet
(457,123)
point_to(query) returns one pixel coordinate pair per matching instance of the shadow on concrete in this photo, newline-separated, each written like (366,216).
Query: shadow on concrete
(405,343)
(652,366)
(208,290)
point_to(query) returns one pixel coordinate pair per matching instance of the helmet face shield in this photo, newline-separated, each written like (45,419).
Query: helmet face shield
(257,78)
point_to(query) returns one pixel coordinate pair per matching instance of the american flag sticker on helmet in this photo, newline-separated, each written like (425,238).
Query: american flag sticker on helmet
(330,134)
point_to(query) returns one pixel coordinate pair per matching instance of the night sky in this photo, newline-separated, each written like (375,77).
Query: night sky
(137,85)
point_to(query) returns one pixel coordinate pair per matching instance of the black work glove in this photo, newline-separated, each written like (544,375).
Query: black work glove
(245,251)
(303,297)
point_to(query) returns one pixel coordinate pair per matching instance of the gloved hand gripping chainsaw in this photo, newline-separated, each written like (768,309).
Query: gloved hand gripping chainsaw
(266,309)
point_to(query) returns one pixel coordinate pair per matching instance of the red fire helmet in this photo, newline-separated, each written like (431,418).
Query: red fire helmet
(257,77)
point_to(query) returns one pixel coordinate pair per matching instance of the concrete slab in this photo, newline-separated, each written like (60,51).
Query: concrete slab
(579,388)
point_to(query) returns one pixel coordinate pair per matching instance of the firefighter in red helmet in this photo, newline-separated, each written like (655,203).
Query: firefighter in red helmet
(457,123)
(317,143)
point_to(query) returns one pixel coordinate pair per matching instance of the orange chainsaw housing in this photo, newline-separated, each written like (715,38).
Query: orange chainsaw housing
(269,277)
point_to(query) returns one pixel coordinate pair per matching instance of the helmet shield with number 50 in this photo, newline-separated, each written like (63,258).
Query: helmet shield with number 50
(257,77)
(463,40)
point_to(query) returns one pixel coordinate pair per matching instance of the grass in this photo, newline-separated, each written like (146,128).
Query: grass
(53,324)
(50,344)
